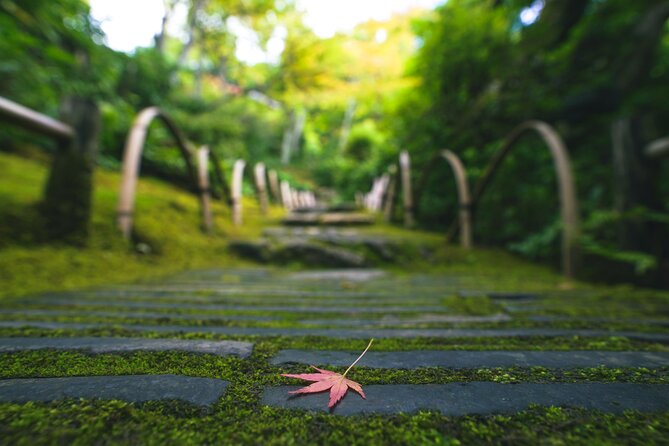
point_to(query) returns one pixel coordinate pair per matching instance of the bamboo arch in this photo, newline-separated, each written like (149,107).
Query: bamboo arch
(407,194)
(566,186)
(132,157)
(464,200)
(236,191)
(260,177)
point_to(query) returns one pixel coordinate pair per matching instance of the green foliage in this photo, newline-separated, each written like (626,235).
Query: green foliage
(600,233)
(481,72)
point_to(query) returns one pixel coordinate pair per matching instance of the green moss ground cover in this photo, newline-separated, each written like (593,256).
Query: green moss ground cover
(239,418)
(167,221)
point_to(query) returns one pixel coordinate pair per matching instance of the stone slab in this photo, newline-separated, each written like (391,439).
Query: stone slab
(243,308)
(419,319)
(214,290)
(108,345)
(316,254)
(480,398)
(349,275)
(636,321)
(131,388)
(351,333)
(340,299)
(141,315)
(327,219)
(500,295)
(475,359)
(523,308)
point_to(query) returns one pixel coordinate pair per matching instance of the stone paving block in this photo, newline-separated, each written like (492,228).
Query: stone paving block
(480,398)
(634,321)
(419,319)
(351,333)
(349,275)
(241,299)
(107,345)
(214,290)
(131,388)
(475,359)
(244,308)
(498,295)
(142,315)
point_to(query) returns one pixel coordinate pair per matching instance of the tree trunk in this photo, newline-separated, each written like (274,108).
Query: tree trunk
(292,135)
(67,200)
(346,125)
(636,186)
(169,6)
(192,29)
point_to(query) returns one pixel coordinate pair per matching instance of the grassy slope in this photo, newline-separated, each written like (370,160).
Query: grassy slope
(168,221)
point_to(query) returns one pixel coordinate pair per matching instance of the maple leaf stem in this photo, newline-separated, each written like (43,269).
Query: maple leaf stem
(361,355)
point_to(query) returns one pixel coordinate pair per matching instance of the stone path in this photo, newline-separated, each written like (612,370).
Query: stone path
(140,315)
(259,305)
(349,333)
(106,345)
(475,359)
(133,388)
(250,308)
(481,398)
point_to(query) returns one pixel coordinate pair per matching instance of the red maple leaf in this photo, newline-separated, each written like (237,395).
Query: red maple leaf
(325,379)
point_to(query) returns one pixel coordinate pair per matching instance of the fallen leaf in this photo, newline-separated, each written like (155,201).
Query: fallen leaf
(324,380)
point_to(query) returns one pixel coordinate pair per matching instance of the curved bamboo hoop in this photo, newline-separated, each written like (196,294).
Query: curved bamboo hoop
(462,186)
(132,157)
(274,186)
(566,186)
(259,174)
(220,176)
(35,121)
(237,178)
(286,196)
(389,203)
(205,190)
(407,195)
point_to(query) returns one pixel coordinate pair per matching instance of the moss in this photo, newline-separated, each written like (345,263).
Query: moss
(27,265)
(167,223)
(256,371)
(237,419)
(536,343)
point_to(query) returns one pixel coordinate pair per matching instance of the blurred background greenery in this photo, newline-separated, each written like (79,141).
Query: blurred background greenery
(336,111)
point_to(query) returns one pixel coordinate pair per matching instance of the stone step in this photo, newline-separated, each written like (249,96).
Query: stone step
(429,318)
(475,359)
(250,300)
(115,345)
(140,315)
(419,319)
(352,333)
(131,388)
(610,320)
(327,219)
(479,398)
(516,297)
(339,275)
(278,291)
(243,308)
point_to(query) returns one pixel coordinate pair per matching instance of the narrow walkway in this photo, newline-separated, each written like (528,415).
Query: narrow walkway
(458,349)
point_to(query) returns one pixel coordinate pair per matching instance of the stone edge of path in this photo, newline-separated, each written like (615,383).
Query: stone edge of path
(474,359)
(349,333)
(479,398)
(131,388)
(109,345)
